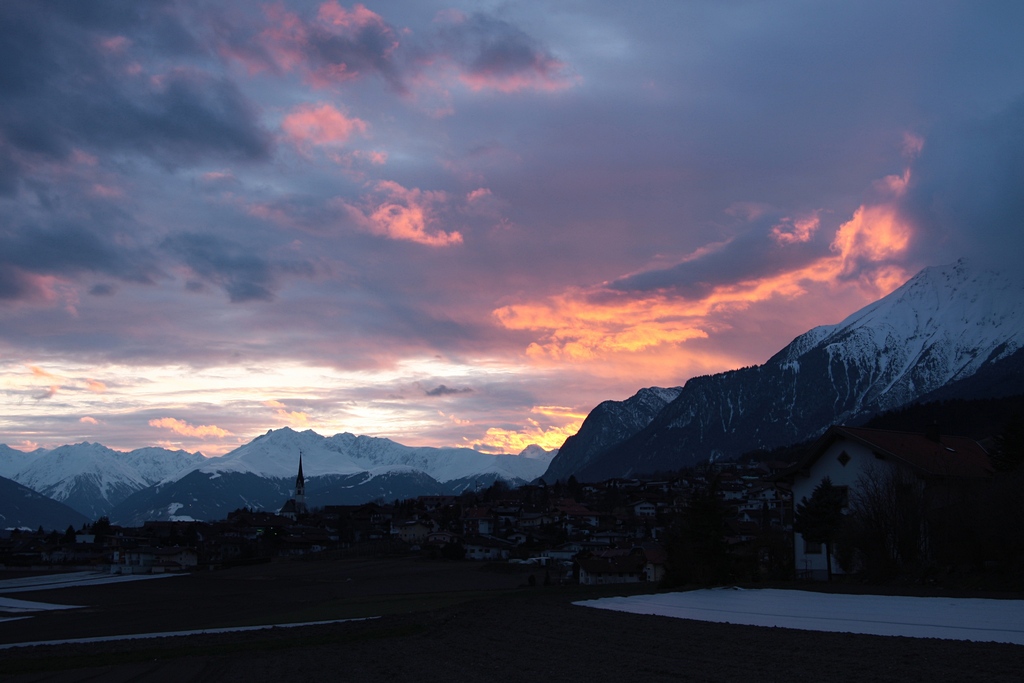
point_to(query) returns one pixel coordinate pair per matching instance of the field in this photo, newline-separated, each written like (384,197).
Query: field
(439,621)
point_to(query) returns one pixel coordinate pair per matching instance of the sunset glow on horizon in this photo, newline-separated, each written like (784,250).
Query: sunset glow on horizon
(465,224)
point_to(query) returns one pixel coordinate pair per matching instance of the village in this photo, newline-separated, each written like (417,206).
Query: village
(609,532)
(872,502)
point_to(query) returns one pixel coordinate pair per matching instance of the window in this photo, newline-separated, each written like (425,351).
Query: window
(812,548)
(843,458)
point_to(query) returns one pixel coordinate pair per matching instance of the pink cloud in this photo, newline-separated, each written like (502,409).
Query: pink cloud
(88,420)
(331,49)
(376,158)
(404,214)
(115,44)
(545,76)
(332,13)
(106,191)
(320,125)
(791,231)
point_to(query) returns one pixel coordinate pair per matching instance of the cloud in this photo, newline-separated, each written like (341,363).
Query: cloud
(185,429)
(442,390)
(493,54)
(244,275)
(549,431)
(88,420)
(65,87)
(693,299)
(33,258)
(49,392)
(336,46)
(790,231)
(964,196)
(95,386)
(309,125)
(405,214)
(39,372)
(294,418)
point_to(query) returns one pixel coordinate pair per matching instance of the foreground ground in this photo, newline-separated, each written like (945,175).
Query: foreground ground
(440,622)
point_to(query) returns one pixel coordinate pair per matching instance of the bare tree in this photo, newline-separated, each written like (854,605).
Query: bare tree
(887,519)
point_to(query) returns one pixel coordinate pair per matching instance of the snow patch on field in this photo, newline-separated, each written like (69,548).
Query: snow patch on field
(998,621)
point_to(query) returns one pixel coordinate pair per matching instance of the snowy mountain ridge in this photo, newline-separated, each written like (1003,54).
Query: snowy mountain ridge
(944,325)
(94,479)
(276,453)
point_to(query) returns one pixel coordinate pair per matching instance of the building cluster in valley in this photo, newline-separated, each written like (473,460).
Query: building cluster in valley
(616,531)
(608,532)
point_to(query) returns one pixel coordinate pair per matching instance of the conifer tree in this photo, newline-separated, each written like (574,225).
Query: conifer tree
(818,520)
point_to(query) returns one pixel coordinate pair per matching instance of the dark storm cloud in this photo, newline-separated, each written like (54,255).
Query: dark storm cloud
(243,274)
(79,75)
(966,195)
(26,252)
(443,390)
(495,53)
(103,289)
(753,253)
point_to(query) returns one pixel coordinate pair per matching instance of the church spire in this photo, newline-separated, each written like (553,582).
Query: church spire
(300,489)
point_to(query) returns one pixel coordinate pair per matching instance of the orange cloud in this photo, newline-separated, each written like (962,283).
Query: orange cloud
(792,231)
(39,372)
(324,125)
(88,420)
(582,330)
(594,324)
(497,440)
(185,429)
(404,214)
(95,386)
(293,418)
(875,233)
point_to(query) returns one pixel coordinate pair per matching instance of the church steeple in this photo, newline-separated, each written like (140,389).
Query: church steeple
(300,489)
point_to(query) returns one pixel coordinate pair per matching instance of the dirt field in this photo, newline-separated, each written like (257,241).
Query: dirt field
(440,622)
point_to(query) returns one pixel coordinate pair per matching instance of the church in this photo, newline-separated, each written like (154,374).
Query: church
(296,507)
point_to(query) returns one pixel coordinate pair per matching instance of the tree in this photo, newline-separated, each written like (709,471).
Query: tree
(887,514)
(1009,451)
(819,519)
(696,543)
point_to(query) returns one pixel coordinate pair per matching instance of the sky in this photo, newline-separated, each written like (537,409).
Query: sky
(468,223)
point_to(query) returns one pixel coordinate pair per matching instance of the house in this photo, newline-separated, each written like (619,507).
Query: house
(478,521)
(644,508)
(415,531)
(596,570)
(486,548)
(442,538)
(848,454)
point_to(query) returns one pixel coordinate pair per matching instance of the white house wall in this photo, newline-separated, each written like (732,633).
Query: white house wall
(829,465)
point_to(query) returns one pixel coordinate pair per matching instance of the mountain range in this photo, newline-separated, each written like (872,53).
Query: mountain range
(157,484)
(948,332)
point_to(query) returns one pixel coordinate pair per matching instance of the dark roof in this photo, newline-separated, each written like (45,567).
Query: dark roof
(950,456)
(623,564)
